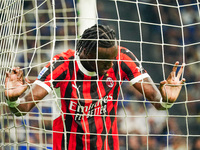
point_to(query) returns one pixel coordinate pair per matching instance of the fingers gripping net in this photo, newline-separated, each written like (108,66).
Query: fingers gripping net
(158,32)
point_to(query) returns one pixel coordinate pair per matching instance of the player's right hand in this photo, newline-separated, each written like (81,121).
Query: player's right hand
(171,87)
(14,86)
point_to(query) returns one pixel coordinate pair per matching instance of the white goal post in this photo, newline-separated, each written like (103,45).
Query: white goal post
(158,32)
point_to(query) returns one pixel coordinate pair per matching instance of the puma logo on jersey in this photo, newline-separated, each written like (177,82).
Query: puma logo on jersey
(77,89)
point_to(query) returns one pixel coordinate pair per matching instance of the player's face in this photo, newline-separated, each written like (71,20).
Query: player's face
(105,59)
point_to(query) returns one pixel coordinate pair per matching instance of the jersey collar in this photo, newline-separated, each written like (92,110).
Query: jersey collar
(83,69)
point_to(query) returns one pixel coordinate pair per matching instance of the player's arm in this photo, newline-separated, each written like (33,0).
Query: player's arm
(18,102)
(168,90)
(147,87)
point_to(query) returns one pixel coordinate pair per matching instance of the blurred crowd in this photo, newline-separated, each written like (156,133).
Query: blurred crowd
(161,34)
(176,40)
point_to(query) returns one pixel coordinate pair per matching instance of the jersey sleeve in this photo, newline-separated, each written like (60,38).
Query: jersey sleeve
(51,75)
(132,70)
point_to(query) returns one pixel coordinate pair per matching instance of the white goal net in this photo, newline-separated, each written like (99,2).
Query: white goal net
(158,32)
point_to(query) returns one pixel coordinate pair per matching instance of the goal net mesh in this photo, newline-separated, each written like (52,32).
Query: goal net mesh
(158,32)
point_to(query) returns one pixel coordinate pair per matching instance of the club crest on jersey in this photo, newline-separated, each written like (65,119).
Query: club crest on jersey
(109,82)
(42,72)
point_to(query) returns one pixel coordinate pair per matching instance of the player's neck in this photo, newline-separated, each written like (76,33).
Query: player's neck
(86,65)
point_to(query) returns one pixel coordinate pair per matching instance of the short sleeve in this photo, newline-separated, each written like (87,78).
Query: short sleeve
(53,73)
(131,67)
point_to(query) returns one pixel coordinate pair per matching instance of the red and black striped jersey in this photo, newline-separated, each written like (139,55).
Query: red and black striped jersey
(88,102)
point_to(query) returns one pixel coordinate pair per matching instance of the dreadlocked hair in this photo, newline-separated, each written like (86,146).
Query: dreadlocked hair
(104,35)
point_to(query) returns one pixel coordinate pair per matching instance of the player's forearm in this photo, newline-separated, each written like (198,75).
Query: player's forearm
(28,101)
(157,100)
(18,111)
(26,104)
(154,96)
(158,106)
(150,91)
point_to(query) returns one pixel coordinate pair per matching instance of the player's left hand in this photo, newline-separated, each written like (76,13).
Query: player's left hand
(14,85)
(171,87)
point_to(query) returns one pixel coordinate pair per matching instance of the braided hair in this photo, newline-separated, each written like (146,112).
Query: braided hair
(104,35)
